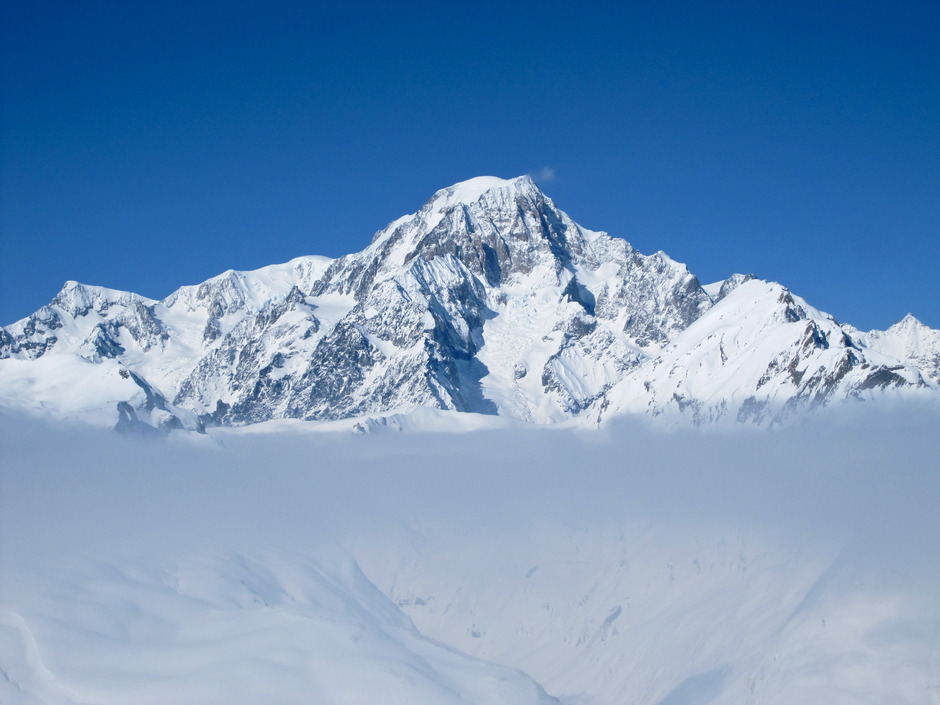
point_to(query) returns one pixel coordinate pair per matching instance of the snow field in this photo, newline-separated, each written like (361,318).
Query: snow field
(228,629)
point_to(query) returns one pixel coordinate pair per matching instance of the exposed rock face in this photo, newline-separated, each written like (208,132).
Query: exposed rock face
(490,300)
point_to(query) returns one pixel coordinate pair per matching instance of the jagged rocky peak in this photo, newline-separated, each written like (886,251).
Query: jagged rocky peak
(77,299)
(472,190)
(911,341)
(235,291)
(909,323)
(732,283)
(499,229)
(489,194)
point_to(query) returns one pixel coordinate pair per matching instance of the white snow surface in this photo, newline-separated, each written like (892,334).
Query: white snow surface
(228,629)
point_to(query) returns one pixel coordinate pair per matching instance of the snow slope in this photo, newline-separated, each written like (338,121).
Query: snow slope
(228,629)
(656,615)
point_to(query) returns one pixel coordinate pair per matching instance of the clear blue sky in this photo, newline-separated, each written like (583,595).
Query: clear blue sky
(146,145)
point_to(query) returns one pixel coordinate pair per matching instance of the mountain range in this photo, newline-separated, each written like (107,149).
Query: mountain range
(488,300)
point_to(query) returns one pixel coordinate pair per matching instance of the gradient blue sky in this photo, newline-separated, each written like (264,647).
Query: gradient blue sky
(148,145)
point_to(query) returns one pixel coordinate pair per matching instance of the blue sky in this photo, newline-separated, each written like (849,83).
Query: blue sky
(148,145)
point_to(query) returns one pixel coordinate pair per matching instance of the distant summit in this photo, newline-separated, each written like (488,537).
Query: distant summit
(489,299)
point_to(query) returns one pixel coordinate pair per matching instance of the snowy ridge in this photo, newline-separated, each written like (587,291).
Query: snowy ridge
(489,300)
(761,354)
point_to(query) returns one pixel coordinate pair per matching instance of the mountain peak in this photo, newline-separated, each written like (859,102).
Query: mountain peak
(402,239)
(909,321)
(471,190)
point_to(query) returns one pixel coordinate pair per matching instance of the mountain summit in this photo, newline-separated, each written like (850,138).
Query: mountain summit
(489,299)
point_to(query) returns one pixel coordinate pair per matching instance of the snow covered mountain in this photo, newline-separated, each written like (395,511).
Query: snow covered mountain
(490,300)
